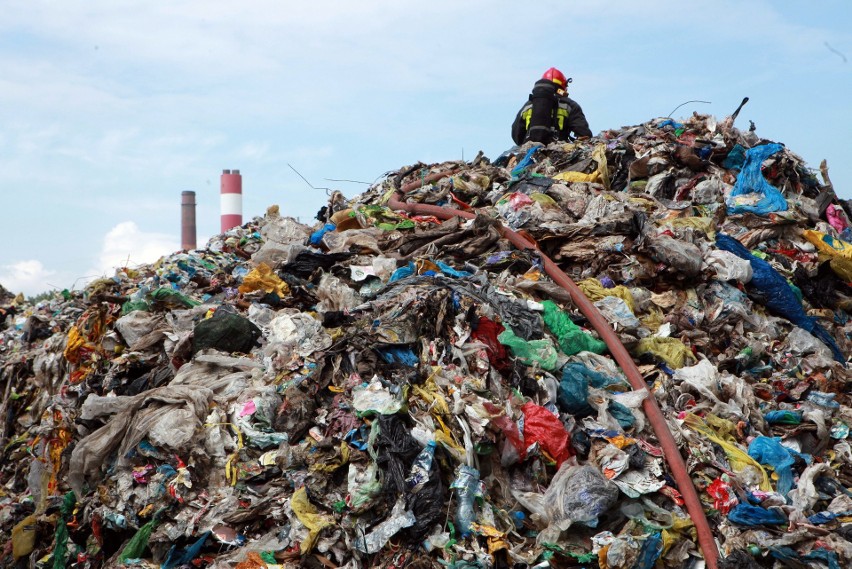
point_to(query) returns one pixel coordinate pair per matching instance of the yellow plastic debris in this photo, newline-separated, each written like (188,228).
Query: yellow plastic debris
(263,278)
(600,175)
(670,350)
(827,244)
(23,537)
(738,458)
(594,291)
(675,533)
(73,345)
(307,514)
(704,224)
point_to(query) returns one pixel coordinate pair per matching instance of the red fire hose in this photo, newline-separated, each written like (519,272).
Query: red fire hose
(616,348)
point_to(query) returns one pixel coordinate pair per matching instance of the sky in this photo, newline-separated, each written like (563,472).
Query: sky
(109,110)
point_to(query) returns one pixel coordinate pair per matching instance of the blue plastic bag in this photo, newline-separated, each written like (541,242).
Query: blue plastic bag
(525,161)
(403,272)
(783,417)
(748,515)
(177,557)
(411,269)
(792,558)
(316,236)
(398,355)
(448,270)
(769,451)
(751,180)
(573,394)
(780,298)
(735,158)
(651,551)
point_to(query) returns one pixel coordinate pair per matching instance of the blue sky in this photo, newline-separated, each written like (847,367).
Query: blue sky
(109,110)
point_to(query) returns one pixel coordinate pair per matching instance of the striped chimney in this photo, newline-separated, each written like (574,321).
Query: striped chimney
(187,221)
(231,198)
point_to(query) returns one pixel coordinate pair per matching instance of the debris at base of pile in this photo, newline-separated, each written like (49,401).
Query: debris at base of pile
(392,389)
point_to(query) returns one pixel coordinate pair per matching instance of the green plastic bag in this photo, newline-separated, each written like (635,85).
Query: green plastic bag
(571,338)
(541,352)
(133,305)
(137,544)
(172,298)
(60,551)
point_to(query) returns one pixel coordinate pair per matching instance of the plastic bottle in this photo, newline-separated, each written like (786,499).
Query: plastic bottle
(466,486)
(419,475)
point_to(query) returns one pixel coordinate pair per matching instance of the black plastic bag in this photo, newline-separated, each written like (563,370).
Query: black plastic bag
(226,332)
(396,451)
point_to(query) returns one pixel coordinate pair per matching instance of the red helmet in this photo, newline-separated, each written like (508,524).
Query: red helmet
(556,76)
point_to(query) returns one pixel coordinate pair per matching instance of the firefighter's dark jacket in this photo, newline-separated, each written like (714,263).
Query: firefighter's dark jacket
(566,119)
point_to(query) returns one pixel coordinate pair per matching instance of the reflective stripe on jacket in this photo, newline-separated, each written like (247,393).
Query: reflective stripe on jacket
(562,112)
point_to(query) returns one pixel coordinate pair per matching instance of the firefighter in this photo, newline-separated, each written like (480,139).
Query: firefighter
(550,114)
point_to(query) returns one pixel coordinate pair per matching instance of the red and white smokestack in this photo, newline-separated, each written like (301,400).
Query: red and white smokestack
(231,198)
(187,221)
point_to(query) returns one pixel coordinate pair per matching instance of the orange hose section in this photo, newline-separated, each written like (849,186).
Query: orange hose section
(616,348)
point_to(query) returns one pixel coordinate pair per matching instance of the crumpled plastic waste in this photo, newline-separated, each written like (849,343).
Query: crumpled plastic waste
(386,389)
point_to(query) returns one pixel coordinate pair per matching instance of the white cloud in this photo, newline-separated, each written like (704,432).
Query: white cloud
(29,277)
(125,245)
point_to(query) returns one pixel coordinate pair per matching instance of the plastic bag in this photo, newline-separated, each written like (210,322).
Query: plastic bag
(769,451)
(134,326)
(652,548)
(783,417)
(374,541)
(579,494)
(23,536)
(362,486)
(335,295)
(679,255)
(177,557)
(427,496)
(618,313)
(262,278)
(570,337)
(376,398)
(573,392)
(541,352)
(594,291)
(739,559)
(137,544)
(307,262)
(172,298)
(670,350)
(300,332)
(789,557)
(487,332)
(545,428)
(779,297)
(748,515)
(752,181)
(60,551)
(727,266)
(226,332)
(307,514)
(396,450)
(398,355)
(316,236)
(135,417)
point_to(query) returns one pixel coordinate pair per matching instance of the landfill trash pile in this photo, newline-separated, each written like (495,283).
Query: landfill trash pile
(391,389)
